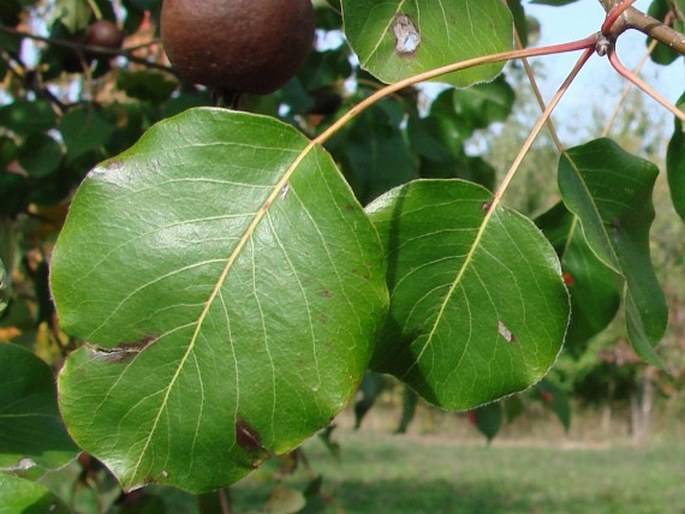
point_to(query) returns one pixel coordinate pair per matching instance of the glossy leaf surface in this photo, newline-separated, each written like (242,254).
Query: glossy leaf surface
(610,190)
(230,297)
(31,429)
(398,39)
(478,308)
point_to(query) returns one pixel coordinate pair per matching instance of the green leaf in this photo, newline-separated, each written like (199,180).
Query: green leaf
(146,85)
(680,5)
(40,155)
(513,407)
(74,14)
(84,130)
(483,104)
(14,189)
(370,390)
(557,400)
(594,288)
(31,429)
(610,190)
(520,22)
(488,419)
(478,307)
(409,401)
(4,288)
(18,495)
(373,152)
(24,117)
(662,54)
(397,39)
(675,163)
(230,295)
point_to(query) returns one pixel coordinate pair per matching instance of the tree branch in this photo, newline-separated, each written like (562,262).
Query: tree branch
(632,18)
(97,50)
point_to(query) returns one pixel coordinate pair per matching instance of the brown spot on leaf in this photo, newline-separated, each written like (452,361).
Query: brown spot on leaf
(246,436)
(327,294)
(124,352)
(114,165)
(407,37)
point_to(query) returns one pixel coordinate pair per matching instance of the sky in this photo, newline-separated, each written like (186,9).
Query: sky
(578,20)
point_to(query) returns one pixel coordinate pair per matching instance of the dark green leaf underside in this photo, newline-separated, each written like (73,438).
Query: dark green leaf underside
(610,192)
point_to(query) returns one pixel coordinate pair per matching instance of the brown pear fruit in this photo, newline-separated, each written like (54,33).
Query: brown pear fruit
(105,34)
(246,46)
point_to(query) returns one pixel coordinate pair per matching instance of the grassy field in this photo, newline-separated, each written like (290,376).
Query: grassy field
(380,473)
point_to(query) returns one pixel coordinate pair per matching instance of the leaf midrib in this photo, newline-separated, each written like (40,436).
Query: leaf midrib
(230,261)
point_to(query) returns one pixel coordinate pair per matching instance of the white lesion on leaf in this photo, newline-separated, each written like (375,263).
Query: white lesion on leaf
(508,336)
(284,191)
(407,36)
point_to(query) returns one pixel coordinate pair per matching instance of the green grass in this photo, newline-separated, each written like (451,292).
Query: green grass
(380,473)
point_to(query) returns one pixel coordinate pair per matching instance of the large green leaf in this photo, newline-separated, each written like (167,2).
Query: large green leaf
(610,190)
(31,429)
(595,288)
(229,295)
(397,39)
(20,496)
(478,308)
(675,164)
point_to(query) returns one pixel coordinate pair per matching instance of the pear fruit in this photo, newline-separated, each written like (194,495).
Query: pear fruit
(241,46)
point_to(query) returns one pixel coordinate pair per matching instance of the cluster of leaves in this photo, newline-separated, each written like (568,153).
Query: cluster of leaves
(226,284)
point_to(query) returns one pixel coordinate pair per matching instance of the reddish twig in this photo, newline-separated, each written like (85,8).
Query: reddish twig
(538,127)
(632,77)
(613,15)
